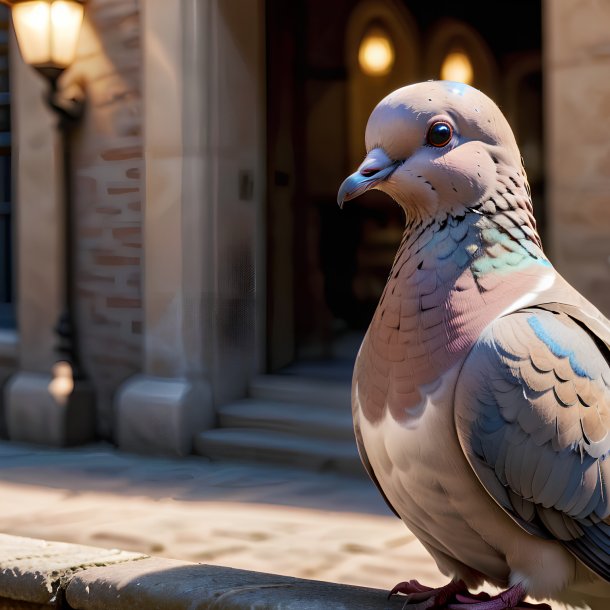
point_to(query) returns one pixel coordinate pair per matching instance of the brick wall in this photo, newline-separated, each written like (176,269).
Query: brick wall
(577,63)
(108,193)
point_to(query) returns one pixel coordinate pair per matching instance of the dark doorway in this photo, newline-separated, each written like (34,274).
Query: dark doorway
(327,267)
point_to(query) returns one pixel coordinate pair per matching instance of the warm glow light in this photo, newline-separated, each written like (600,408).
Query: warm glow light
(457,67)
(31,21)
(376,53)
(48,31)
(66,19)
(62,383)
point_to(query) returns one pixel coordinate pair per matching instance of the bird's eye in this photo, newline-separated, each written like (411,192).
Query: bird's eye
(439,134)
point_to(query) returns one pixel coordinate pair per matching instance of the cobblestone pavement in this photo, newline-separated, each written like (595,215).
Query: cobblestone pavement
(257,517)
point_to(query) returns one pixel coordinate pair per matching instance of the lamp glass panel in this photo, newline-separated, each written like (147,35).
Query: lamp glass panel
(66,21)
(32,26)
(48,31)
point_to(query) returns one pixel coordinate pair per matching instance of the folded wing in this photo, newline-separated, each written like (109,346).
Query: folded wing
(532,413)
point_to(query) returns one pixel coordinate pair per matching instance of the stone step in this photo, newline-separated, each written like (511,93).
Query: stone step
(302,390)
(248,444)
(305,420)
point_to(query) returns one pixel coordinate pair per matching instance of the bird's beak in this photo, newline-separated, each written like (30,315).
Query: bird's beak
(377,166)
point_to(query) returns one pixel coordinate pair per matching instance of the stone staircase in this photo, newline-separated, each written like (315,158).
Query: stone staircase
(289,420)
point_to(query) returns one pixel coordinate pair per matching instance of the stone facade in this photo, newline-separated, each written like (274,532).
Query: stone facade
(168,213)
(577,61)
(169,179)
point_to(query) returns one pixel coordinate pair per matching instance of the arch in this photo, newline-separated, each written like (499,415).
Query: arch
(523,107)
(451,34)
(363,91)
(521,67)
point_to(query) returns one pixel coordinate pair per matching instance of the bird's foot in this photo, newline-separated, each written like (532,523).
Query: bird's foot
(420,597)
(511,599)
(455,596)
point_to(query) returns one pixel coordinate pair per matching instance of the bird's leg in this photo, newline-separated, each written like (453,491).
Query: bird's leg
(511,599)
(420,597)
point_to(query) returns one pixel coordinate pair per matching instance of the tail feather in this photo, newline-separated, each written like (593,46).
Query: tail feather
(593,548)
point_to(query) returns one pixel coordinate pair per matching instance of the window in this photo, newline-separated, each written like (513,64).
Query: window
(7,313)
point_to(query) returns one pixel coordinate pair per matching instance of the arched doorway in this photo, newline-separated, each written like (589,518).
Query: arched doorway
(326,268)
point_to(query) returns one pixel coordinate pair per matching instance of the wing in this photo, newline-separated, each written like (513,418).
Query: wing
(532,413)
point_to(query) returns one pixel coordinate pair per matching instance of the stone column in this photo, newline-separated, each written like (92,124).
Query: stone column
(33,412)
(203,161)
(577,103)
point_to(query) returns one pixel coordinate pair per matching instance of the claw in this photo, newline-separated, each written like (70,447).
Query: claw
(429,604)
(409,586)
(421,597)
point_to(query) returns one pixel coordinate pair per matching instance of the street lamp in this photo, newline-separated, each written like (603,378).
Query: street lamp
(47,33)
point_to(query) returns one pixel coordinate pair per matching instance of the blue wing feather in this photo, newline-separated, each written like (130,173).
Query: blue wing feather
(523,423)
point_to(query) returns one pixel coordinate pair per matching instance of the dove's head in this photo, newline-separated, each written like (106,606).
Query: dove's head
(436,147)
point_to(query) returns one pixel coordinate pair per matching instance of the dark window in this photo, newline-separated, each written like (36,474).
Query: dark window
(7,312)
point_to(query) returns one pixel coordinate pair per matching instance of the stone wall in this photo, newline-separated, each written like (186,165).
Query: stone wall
(577,89)
(108,192)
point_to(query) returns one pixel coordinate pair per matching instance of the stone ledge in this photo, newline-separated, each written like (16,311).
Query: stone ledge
(37,571)
(37,574)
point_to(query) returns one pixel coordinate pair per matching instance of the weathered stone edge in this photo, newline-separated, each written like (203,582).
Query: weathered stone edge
(37,571)
(139,582)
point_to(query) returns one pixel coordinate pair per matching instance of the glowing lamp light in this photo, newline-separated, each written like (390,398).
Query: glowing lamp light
(47,32)
(376,53)
(62,382)
(457,67)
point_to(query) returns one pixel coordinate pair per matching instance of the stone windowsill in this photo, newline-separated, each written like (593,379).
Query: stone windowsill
(9,344)
(36,574)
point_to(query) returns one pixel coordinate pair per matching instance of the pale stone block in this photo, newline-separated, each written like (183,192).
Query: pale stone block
(578,133)
(35,570)
(171,584)
(155,415)
(34,415)
(584,209)
(576,30)
(199,237)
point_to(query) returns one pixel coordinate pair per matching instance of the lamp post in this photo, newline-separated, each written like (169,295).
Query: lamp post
(58,409)
(47,33)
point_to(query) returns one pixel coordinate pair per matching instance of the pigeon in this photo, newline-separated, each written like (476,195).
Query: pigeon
(481,390)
